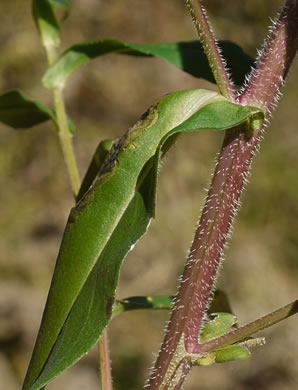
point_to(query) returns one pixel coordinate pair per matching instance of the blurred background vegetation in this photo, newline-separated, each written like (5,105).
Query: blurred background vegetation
(103,99)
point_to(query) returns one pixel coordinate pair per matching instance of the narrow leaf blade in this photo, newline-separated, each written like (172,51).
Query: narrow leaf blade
(187,56)
(157,302)
(20,112)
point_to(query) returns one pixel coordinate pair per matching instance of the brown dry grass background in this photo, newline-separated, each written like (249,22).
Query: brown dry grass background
(105,98)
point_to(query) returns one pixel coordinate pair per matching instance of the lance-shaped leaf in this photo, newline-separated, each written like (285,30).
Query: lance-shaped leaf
(187,56)
(166,302)
(107,222)
(157,302)
(19,111)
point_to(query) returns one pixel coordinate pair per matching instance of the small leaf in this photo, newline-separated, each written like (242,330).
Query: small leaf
(187,56)
(20,112)
(149,302)
(166,302)
(217,327)
(46,22)
(232,352)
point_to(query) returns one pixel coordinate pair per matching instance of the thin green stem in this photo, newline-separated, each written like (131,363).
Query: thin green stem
(66,142)
(51,54)
(64,133)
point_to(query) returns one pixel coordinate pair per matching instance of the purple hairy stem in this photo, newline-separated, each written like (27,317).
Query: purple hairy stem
(220,208)
(264,83)
(222,202)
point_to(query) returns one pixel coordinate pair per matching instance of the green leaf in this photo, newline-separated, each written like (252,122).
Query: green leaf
(97,161)
(232,352)
(20,112)
(221,323)
(187,56)
(226,354)
(223,355)
(165,302)
(107,222)
(160,302)
(46,22)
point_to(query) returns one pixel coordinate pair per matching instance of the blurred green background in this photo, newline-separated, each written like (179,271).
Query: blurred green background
(103,99)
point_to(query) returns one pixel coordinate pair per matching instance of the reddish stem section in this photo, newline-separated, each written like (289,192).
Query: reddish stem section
(222,201)
(104,360)
(220,208)
(274,60)
(206,252)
